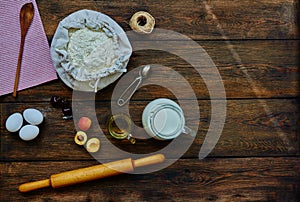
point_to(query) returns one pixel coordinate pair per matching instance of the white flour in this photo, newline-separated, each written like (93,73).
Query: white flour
(91,50)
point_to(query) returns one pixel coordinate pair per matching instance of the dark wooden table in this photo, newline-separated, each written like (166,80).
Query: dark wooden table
(255,46)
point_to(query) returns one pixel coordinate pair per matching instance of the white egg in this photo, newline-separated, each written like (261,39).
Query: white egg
(33,116)
(29,132)
(14,122)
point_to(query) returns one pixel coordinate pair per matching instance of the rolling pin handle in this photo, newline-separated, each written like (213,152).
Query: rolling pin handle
(149,160)
(30,186)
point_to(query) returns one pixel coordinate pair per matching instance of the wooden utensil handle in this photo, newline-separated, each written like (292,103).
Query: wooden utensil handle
(149,160)
(30,186)
(19,66)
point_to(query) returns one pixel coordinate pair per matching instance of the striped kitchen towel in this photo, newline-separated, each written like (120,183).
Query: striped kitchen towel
(37,67)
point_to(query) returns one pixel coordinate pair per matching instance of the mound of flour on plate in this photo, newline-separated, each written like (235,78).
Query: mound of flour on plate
(91,49)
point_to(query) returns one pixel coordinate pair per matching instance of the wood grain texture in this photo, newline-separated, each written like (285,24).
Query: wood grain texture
(265,19)
(249,130)
(272,66)
(255,47)
(238,179)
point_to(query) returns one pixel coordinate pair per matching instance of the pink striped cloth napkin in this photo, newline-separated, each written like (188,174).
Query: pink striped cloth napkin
(37,67)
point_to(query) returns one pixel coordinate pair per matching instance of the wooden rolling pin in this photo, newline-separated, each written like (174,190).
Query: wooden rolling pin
(91,173)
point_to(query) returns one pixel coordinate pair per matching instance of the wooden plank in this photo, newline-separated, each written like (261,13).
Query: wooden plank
(252,128)
(271,65)
(267,19)
(237,179)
